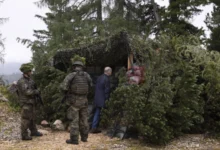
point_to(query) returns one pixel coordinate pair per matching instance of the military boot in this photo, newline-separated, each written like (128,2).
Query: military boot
(84,137)
(37,133)
(95,130)
(73,140)
(26,138)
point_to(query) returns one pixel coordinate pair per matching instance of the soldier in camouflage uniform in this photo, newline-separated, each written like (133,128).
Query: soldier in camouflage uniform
(76,85)
(27,92)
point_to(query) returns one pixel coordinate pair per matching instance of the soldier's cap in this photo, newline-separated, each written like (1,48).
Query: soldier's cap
(27,67)
(77,60)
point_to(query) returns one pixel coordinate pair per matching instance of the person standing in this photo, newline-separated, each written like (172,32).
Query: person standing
(27,92)
(102,92)
(76,86)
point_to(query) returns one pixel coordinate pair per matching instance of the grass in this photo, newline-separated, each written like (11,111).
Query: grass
(4,107)
(10,106)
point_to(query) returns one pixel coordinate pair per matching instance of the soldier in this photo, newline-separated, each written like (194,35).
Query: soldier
(27,92)
(76,86)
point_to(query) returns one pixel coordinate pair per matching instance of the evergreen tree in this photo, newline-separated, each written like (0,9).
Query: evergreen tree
(213,23)
(137,17)
(176,18)
(83,22)
(75,24)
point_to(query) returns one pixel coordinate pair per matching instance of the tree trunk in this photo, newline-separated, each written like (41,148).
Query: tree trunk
(99,15)
(99,10)
(121,4)
(157,16)
(174,8)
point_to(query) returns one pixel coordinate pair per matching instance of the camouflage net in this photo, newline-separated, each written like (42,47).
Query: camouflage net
(109,52)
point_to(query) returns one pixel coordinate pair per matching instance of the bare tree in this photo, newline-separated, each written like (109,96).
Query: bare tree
(2,48)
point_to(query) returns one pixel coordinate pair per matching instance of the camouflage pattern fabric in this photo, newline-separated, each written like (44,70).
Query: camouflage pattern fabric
(78,103)
(27,101)
(28,119)
(26,91)
(77,113)
(69,85)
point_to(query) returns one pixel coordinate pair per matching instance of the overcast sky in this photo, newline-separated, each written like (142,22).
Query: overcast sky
(22,23)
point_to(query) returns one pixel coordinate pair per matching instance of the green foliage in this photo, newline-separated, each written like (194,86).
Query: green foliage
(168,104)
(175,19)
(48,80)
(12,97)
(211,93)
(213,23)
(179,75)
(3,90)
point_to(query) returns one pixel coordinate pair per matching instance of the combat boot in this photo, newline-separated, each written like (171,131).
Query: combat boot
(26,138)
(95,130)
(73,140)
(37,133)
(84,137)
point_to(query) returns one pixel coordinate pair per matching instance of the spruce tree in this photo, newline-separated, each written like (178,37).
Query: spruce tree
(136,17)
(75,24)
(213,23)
(176,18)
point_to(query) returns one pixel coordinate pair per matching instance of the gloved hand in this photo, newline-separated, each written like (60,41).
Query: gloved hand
(36,92)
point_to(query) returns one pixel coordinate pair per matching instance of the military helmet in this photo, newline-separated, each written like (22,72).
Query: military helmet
(77,60)
(78,63)
(27,67)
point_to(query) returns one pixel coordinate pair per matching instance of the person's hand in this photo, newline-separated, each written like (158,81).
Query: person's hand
(36,92)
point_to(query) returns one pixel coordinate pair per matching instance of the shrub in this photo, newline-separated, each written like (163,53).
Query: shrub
(12,98)
(168,104)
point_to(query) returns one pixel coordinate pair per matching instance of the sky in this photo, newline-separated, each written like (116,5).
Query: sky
(22,22)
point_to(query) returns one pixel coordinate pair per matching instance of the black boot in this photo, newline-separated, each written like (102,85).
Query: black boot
(73,140)
(26,138)
(84,137)
(36,133)
(95,130)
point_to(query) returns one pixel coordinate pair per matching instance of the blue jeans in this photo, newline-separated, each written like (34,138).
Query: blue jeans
(96,117)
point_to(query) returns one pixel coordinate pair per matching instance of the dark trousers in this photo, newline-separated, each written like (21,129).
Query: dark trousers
(96,117)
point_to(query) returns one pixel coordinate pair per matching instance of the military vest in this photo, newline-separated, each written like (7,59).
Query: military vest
(79,84)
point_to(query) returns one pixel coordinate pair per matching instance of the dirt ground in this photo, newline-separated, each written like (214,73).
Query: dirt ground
(55,140)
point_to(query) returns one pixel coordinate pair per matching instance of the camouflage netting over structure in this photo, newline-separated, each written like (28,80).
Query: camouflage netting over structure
(113,51)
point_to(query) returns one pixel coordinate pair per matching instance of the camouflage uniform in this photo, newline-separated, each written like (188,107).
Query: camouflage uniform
(27,92)
(77,84)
